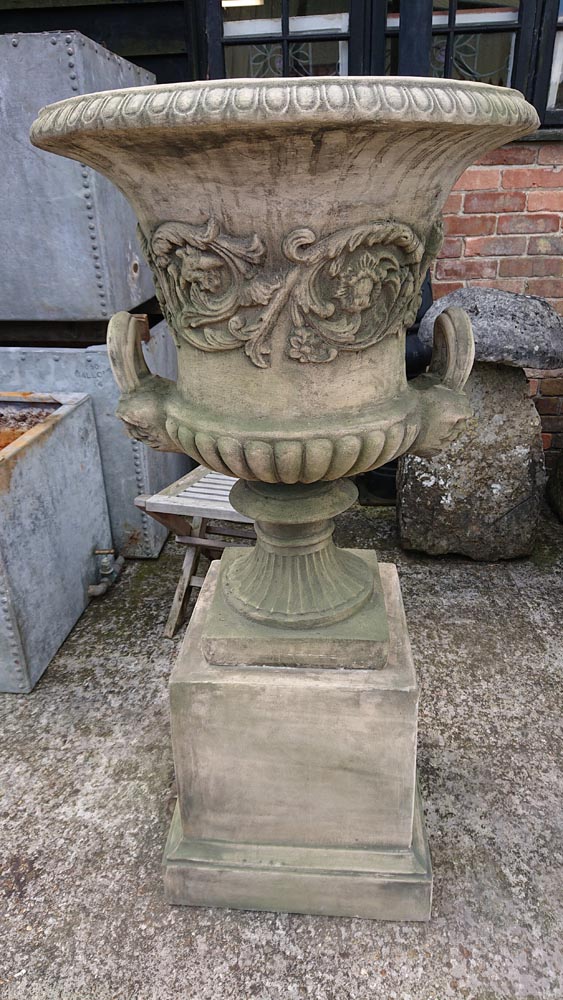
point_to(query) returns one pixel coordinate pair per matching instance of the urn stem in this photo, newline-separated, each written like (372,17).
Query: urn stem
(295,576)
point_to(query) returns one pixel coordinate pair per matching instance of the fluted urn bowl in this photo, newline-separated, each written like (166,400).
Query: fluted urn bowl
(289,225)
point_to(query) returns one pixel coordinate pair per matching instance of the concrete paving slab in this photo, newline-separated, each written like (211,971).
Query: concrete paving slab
(86,784)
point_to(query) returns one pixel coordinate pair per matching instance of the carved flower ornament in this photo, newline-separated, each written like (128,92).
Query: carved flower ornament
(344,292)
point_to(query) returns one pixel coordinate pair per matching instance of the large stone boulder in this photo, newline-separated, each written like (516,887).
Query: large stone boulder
(480,496)
(522,331)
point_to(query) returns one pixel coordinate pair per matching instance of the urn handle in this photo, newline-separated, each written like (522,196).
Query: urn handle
(146,399)
(125,335)
(454,348)
(444,407)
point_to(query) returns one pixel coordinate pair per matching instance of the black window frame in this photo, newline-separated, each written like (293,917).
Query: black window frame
(540,69)
(368,33)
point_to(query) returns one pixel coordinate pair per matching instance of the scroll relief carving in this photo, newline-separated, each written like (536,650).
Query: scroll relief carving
(344,292)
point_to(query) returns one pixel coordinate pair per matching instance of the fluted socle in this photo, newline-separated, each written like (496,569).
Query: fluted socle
(320,588)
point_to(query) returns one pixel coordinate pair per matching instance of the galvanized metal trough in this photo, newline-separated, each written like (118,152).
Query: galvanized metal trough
(54,522)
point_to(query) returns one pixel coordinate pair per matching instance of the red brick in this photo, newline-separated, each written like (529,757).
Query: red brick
(546,441)
(551,152)
(440,288)
(465,269)
(479,179)
(524,178)
(451,247)
(482,202)
(525,223)
(505,284)
(508,284)
(470,225)
(550,404)
(547,267)
(557,441)
(526,153)
(533,384)
(545,201)
(552,387)
(542,373)
(538,267)
(546,287)
(495,246)
(544,244)
(552,424)
(514,267)
(557,305)
(453,203)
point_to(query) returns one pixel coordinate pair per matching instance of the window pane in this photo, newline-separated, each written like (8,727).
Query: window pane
(555,97)
(303,8)
(487,11)
(393,13)
(480,56)
(261,59)
(484,57)
(438,56)
(468,12)
(320,22)
(251,17)
(318,58)
(392,55)
(318,15)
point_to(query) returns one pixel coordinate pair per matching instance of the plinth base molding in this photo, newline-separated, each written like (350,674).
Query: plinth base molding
(378,885)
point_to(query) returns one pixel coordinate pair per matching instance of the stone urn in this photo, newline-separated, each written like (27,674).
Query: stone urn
(289,225)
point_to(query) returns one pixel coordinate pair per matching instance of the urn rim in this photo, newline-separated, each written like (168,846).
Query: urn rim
(286,102)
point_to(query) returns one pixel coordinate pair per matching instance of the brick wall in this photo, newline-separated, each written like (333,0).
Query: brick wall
(503,226)
(546,389)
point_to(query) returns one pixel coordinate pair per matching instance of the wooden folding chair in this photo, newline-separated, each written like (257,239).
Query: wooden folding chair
(185,508)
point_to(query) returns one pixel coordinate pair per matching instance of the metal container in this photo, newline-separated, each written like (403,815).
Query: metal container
(129,467)
(68,247)
(53,520)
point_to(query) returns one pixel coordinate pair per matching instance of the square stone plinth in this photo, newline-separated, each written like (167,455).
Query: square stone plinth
(297,788)
(360,642)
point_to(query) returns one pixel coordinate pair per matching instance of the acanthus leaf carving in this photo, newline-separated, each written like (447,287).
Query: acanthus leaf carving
(344,292)
(206,277)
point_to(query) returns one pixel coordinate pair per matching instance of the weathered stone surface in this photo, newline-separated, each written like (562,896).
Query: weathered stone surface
(480,496)
(519,330)
(297,788)
(289,277)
